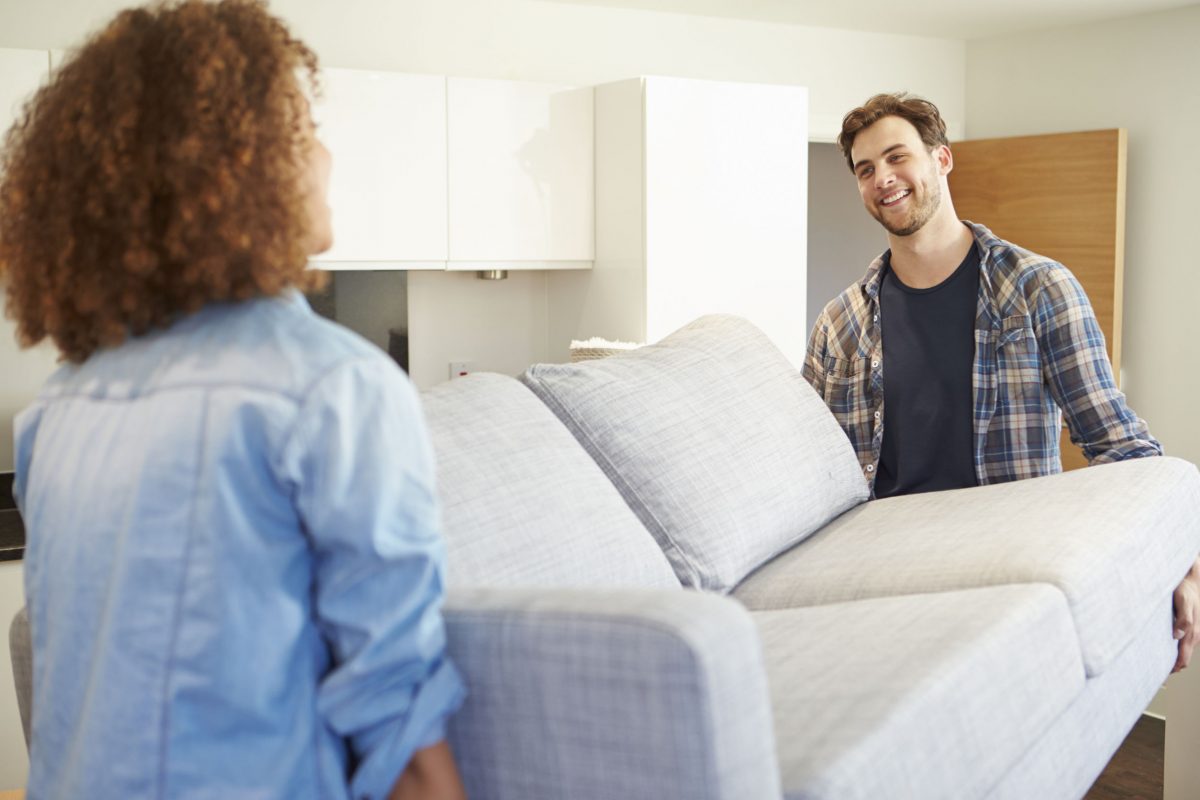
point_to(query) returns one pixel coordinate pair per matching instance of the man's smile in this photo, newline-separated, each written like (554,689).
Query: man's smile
(895,197)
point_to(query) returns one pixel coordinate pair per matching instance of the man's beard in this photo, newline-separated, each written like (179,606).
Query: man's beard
(917,217)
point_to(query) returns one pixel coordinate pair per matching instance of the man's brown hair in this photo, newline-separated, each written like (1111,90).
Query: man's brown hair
(159,170)
(921,113)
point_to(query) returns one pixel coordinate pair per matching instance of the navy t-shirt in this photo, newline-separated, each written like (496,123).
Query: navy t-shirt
(928,355)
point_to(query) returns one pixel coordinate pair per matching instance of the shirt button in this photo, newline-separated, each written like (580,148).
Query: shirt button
(875,318)
(870,467)
(876,416)
(874,364)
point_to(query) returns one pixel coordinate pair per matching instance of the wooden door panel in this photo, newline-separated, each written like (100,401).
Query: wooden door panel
(1061,195)
(1072,456)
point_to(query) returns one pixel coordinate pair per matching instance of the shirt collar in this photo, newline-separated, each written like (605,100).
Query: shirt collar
(985,240)
(294,297)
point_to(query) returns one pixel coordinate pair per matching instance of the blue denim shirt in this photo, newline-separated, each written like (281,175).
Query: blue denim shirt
(234,569)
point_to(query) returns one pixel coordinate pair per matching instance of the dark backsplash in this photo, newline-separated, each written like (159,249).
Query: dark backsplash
(6,495)
(12,531)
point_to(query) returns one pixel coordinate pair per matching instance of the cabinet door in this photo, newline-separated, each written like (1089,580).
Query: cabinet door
(521,176)
(387,134)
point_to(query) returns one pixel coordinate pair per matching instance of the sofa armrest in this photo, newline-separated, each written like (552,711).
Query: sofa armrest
(602,694)
(21,652)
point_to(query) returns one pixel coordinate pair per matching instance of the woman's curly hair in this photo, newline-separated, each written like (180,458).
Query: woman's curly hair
(160,169)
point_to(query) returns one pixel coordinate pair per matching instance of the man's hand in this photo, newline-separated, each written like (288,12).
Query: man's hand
(1187,615)
(432,775)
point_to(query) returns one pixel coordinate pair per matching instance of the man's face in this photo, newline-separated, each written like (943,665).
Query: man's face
(899,179)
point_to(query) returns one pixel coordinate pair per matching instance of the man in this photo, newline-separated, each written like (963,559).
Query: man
(987,344)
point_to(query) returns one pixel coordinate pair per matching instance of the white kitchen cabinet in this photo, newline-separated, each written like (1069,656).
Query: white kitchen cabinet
(521,188)
(701,207)
(386,132)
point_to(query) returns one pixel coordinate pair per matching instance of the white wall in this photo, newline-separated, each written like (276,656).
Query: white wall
(585,45)
(1139,74)
(552,42)
(575,44)
(496,326)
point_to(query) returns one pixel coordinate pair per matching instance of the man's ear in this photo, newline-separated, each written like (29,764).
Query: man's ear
(945,159)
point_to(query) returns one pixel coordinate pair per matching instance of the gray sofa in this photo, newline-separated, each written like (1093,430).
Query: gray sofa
(666,582)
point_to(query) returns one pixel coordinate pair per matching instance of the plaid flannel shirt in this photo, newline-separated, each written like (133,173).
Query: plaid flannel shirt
(1038,349)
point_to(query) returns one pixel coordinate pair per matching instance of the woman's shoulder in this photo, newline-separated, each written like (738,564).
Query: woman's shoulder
(274,345)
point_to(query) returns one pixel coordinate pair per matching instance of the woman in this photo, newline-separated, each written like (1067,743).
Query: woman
(234,569)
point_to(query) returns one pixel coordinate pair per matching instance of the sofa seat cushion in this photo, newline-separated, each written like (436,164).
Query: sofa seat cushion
(930,696)
(719,446)
(1115,539)
(522,503)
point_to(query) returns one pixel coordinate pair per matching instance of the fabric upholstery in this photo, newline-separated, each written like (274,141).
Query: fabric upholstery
(522,503)
(594,695)
(1066,760)
(20,650)
(922,696)
(1115,539)
(722,449)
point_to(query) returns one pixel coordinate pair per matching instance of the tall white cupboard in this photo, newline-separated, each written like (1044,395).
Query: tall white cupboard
(701,207)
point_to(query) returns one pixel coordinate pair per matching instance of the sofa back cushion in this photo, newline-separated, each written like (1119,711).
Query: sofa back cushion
(718,444)
(522,503)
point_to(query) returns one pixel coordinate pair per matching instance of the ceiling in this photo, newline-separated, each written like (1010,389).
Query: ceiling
(60,23)
(952,19)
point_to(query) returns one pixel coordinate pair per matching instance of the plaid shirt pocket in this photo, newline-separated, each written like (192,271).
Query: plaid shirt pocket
(1019,363)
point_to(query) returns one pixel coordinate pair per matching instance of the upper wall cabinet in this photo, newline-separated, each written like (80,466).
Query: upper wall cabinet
(387,134)
(430,173)
(520,175)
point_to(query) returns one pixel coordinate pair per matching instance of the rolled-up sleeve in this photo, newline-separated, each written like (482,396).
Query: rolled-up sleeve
(364,475)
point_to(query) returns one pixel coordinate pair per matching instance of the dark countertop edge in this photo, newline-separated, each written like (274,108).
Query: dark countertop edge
(16,553)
